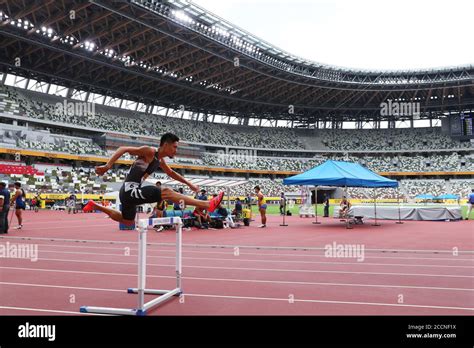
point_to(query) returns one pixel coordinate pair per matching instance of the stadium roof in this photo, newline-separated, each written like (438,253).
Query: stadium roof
(178,55)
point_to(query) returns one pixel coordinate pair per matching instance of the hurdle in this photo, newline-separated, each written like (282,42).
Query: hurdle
(141,290)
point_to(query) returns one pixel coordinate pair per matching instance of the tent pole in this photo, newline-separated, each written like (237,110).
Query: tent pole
(399,215)
(375,208)
(316,222)
(284,213)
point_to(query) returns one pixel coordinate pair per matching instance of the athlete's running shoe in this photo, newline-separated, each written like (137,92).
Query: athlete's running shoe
(214,203)
(89,207)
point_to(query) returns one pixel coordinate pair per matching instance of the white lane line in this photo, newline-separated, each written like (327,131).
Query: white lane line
(250,269)
(56,221)
(66,227)
(333,302)
(232,280)
(173,250)
(286,300)
(257,269)
(63,287)
(239,259)
(229,246)
(48,310)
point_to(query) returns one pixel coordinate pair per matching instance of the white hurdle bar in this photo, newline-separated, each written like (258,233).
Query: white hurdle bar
(141,290)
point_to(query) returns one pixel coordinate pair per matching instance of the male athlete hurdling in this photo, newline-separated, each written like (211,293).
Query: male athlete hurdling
(133,194)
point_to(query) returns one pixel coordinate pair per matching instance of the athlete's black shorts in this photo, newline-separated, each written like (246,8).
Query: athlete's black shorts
(136,195)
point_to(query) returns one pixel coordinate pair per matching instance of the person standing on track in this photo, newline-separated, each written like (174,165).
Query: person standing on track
(470,203)
(133,193)
(38,203)
(4,207)
(326,206)
(282,203)
(262,206)
(19,200)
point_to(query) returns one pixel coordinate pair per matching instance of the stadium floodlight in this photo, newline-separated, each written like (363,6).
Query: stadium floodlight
(108,52)
(89,45)
(180,15)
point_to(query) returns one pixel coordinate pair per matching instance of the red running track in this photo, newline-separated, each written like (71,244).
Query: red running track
(84,259)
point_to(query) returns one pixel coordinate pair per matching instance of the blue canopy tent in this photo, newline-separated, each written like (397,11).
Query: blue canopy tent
(341,174)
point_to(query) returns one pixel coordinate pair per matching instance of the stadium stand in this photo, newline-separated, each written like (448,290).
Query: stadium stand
(410,142)
(43,107)
(382,163)
(388,140)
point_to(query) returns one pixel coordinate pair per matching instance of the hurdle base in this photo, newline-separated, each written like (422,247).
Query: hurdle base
(108,310)
(165,295)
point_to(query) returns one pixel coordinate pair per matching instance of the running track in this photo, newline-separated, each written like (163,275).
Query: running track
(84,259)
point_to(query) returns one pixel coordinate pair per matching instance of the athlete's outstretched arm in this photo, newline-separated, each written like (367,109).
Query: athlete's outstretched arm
(142,151)
(172,174)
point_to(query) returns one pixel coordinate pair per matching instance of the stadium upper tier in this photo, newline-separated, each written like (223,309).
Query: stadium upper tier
(176,54)
(40,107)
(381,163)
